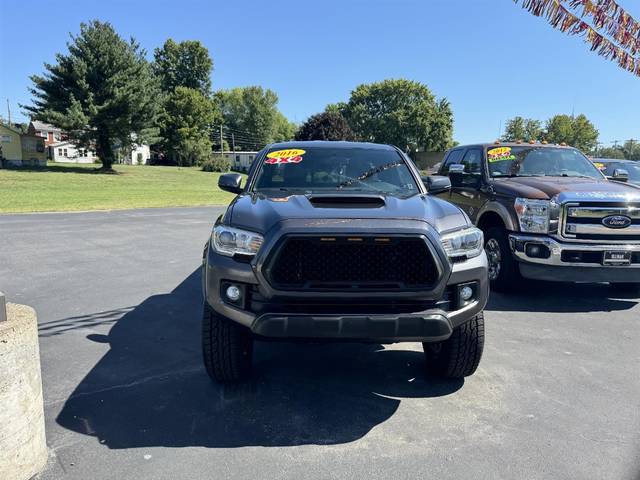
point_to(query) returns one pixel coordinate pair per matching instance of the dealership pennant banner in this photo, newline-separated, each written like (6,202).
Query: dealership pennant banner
(607,16)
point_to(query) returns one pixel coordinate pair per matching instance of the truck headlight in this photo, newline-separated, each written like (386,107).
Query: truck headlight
(230,241)
(533,215)
(467,243)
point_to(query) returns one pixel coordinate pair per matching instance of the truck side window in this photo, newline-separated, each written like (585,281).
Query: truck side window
(472,161)
(454,157)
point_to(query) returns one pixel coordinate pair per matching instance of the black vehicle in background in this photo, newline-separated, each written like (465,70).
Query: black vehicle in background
(616,169)
(341,241)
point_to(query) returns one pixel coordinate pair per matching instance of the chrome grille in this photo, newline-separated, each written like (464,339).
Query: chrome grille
(586,221)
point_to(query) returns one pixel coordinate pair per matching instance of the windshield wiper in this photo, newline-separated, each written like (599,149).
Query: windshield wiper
(369,173)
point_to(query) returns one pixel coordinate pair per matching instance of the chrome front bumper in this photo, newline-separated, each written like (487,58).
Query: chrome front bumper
(555,269)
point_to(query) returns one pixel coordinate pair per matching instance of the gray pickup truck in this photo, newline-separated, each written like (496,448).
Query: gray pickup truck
(340,241)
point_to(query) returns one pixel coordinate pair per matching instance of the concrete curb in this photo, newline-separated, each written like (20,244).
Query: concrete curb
(23,449)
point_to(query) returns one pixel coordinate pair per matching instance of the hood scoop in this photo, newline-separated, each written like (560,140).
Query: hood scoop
(347,201)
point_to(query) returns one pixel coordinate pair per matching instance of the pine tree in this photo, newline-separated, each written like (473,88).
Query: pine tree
(102,92)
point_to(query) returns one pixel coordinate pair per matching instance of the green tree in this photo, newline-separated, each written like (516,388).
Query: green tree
(577,131)
(284,129)
(183,64)
(102,92)
(186,124)
(611,152)
(328,125)
(631,149)
(252,112)
(399,112)
(339,107)
(525,129)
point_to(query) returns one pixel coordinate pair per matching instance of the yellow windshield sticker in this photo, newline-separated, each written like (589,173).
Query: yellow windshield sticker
(292,155)
(500,154)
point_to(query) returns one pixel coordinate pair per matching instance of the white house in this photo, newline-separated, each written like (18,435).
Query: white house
(68,152)
(138,155)
(240,161)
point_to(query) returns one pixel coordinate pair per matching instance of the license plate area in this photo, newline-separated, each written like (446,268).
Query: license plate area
(613,257)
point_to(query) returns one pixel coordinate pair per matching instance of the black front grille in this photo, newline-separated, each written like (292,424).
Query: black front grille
(352,263)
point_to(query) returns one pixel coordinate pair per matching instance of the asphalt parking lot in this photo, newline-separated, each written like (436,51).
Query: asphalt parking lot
(557,394)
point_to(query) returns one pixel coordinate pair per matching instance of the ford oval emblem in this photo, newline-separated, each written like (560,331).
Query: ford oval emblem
(616,221)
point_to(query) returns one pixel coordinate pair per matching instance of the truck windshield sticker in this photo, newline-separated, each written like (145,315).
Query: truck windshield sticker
(500,154)
(292,155)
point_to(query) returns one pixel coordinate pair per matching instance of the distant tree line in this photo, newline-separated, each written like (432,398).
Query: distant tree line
(399,112)
(577,131)
(106,94)
(629,150)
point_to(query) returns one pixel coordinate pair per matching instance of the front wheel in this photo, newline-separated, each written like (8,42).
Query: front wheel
(460,354)
(504,273)
(227,348)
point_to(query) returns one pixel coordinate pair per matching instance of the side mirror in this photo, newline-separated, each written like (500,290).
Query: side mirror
(437,184)
(620,175)
(456,173)
(230,182)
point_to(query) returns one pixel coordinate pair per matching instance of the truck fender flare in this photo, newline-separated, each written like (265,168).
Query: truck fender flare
(509,221)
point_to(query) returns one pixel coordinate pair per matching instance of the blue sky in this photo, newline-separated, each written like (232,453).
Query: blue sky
(490,58)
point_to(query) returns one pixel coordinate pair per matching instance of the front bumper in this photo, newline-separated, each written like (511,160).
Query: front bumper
(573,262)
(430,325)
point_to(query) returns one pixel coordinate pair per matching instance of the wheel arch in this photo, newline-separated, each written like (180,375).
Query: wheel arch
(496,215)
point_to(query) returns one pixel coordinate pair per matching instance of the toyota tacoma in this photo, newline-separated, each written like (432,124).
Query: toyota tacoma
(342,241)
(547,213)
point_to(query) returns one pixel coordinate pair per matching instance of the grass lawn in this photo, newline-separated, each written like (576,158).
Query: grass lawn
(65,187)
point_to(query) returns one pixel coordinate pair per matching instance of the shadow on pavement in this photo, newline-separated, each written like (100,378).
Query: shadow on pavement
(150,389)
(535,296)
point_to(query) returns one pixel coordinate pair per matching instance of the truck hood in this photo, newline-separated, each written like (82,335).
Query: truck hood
(545,188)
(259,213)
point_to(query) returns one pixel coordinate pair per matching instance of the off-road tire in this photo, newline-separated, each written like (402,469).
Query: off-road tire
(459,355)
(227,348)
(509,277)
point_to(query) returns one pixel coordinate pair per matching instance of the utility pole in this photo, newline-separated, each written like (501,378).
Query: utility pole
(221,142)
(9,111)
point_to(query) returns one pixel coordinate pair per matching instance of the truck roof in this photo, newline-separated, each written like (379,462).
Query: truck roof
(330,144)
(511,144)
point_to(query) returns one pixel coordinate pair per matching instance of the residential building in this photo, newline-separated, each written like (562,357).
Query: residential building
(19,149)
(69,152)
(50,133)
(240,161)
(137,155)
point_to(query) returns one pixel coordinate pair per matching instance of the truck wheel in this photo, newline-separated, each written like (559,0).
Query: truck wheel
(459,355)
(227,347)
(504,273)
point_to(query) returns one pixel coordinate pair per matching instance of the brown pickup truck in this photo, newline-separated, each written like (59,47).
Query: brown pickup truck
(547,213)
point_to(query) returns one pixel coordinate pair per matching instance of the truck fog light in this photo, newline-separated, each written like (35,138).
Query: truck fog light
(537,250)
(233,293)
(466,293)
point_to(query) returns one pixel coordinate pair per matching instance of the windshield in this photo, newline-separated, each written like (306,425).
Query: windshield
(532,160)
(609,169)
(336,170)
